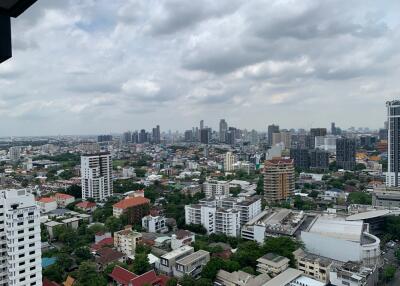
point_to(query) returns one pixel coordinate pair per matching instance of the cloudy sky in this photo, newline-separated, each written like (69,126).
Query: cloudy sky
(99,66)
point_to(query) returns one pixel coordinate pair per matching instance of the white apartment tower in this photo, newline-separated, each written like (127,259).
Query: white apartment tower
(96,173)
(393,113)
(20,251)
(216,189)
(229,160)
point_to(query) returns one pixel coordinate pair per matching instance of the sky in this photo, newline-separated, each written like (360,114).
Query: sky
(100,66)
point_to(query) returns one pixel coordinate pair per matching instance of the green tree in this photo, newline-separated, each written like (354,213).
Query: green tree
(82,254)
(388,273)
(88,276)
(113,224)
(359,198)
(212,267)
(172,282)
(54,273)
(64,261)
(141,264)
(187,281)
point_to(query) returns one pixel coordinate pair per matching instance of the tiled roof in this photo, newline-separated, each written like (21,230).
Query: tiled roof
(46,200)
(121,275)
(131,202)
(47,282)
(108,255)
(86,205)
(63,196)
(102,243)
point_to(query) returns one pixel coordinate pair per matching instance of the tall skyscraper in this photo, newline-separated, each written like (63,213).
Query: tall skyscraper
(333,128)
(271,130)
(223,129)
(201,124)
(21,262)
(301,158)
(127,137)
(393,126)
(96,174)
(279,179)
(156,135)
(346,153)
(318,132)
(205,135)
(143,136)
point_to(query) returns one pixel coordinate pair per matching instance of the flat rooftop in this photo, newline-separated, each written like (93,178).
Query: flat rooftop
(337,227)
(192,257)
(177,252)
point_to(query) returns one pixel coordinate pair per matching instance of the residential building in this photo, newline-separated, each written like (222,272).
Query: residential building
(249,207)
(343,240)
(96,174)
(156,135)
(191,265)
(14,153)
(105,256)
(279,179)
(46,204)
(272,264)
(135,208)
(240,278)
(123,277)
(293,277)
(284,137)
(21,243)
(393,112)
(168,260)
(271,130)
(216,189)
(229,161)
(346,153)
(353,274)
(154,224)
(126,241)
(86,206)
(314,266)
(63,200)
(181,238)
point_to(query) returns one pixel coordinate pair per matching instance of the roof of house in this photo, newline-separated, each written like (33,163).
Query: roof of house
(121,275)
(46,200)
(47,282)
(108,255)
(131,202)
(63,196)
(86,205)
(102,243)
(69,282)
(182,233)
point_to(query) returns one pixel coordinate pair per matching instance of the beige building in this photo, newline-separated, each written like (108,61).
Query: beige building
(279,179)
(313,266)
(126,241)
(168,260)
(240,278)
(284,137)
(272,264)
(229,161)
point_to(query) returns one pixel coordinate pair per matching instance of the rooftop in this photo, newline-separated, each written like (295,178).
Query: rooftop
(178,252)
(131,202)
(192,257)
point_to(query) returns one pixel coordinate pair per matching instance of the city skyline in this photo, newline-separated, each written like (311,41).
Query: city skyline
(95,67)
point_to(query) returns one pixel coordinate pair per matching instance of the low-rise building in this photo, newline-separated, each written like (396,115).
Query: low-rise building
(46,204)
(272,264)
(240,278)
(181,238)
(135,208)
(192,264)
(154,224)
(126,241)
(388,197)
(168,260)
(63,200)
(353,274)
(293,277)
(313,266)
(86,206)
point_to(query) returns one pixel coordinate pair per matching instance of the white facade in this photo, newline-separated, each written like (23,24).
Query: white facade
(154,223)
(47,205)
(20,239)
(14,153)
(213,219)
(216,189)
(126,241)
(229,160)
(96,172)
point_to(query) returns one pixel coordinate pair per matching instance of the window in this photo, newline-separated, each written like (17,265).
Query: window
(21,255)
(31,237)
(20,223)
(21,263)
(31,245)
(30,213)
(30,221)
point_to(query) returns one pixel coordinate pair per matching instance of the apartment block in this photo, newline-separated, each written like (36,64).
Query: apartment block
(20,262)
(168,260)
(126,241)
(279,179)
(272,264)
(313,266)
(134,208)
(216,189)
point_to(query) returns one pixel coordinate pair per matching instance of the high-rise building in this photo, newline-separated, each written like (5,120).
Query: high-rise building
(301,158)
(393,113)
(284,137)
(205,135)
(127,137)
(104,138)
(21,262)
(189,136)
(229,160)
(271,130)
(96,174)
(135,137)
(201,124)
(279,179)
(318,132)
(319,159)
(346,153)
(143,136)
(156,135)
(333,128)
(216,189)
(14,153)
(223,129)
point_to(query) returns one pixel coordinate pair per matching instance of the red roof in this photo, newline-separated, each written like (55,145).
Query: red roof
(276,161)
(131,202)
(121,275)
(46,200)
(47,282)
(102,243)
(86,205)
(63,196)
